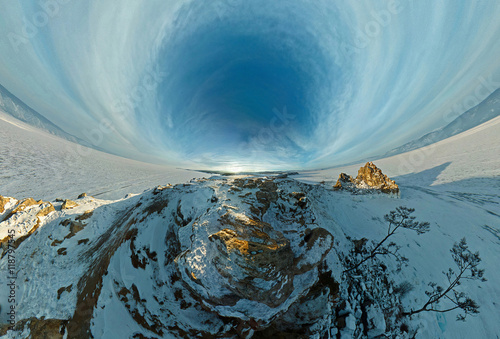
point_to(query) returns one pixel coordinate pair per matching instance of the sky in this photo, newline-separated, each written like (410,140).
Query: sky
(250,85)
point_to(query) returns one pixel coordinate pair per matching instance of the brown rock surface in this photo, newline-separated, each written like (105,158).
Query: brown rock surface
(21,206)
(369,177)
(40,328)
(372,176)
(3,202)
(49,208)
(68,204)
(259,252)
(343,181)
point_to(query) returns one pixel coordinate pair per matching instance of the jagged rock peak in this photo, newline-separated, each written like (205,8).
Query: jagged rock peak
(370,177)
(344,181)
(374,178)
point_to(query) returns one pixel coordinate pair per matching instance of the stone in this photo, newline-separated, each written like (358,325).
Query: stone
(23,205)
(373,177)
(376,321)
(49,208)
(343,181)
(255,252)
(248,262)
(3,202)
(370,178)
(68,204)
(76,227)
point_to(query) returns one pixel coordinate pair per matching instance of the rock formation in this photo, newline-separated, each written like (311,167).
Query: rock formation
(21,218)
(3,201)
(231,257)
(68,204)
(344,181)
(249,267)
(370,178)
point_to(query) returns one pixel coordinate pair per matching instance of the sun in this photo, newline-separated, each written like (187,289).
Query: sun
(235,168)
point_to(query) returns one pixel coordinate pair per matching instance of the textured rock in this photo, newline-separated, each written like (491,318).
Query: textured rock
(47,208)
(241,266)
(3,202)
(85,215)
(68,204)
(30,214)
(369,178)
(75,227)
(376,321)
(23,205)
(39,328)
(216,258)
(252,251)
(344,181)
(373,177)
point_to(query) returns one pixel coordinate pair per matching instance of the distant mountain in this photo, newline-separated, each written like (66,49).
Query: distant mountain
(488,109)
(12,105)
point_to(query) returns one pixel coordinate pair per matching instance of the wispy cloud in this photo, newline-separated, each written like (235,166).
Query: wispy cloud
(258,83)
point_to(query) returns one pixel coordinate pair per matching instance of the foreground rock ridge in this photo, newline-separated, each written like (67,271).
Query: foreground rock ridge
(227,256)
(370,179)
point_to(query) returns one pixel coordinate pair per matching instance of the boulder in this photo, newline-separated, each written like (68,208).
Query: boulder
(68,204)
(3,202)
(47,208)
(23,205)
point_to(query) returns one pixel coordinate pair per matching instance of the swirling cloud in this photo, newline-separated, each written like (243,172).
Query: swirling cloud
(249,84)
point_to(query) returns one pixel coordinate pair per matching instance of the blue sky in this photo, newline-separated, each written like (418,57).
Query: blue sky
(249,84)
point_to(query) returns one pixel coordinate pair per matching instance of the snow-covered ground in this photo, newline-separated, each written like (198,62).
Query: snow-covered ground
(463,160)
(37,164)
(488,109)
(453,184)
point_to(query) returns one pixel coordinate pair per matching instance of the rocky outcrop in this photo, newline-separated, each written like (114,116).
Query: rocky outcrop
(47,208)
(249,251)
(344,181)
(22,205)
(29,213)
(68,204)
(370,178)
(3,202)
(39,328)
(217,257)
(240,266)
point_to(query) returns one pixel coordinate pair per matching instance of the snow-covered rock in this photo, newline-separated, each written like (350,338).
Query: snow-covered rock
(376,321)
(370,179)
(229,256)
